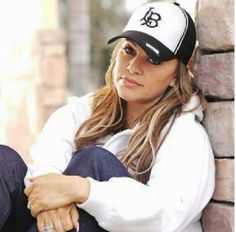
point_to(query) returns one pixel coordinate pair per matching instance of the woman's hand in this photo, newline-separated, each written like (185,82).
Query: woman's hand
(63,219)
(53,191)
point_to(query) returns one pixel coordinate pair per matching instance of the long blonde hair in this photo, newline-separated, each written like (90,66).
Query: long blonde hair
(108,117)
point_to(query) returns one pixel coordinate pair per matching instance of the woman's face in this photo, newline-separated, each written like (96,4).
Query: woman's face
(137,79)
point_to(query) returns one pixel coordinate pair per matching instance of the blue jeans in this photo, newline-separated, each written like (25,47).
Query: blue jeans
(94,162)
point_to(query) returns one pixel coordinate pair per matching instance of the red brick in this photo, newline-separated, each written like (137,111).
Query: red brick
(218,218)
(215,75)
(51,36)
(224,189)
(54,71)
(219,124)
(215,24)
(54,50)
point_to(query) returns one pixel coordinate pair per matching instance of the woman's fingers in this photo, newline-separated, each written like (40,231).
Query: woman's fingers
(35,208)
(44,220)
(28,190)
(67,223)
(40,223)
(74,214)
(66,219)
(58,226)
(61,220)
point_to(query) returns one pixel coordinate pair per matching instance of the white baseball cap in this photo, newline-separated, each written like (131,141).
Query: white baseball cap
(164,30)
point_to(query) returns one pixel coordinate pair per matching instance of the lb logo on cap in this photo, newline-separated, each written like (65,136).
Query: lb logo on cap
(151,18)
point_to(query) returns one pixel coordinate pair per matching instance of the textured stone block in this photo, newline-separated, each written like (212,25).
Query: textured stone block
(54,71)
(54,50)
(219,125)
(51,36)
(49,41)
(218,218)
(224,188)
(215,24)
(215,75)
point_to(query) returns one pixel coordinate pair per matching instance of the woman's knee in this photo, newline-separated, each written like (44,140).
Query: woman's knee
(10,159)
(95,162)
(91,155)
(7,153)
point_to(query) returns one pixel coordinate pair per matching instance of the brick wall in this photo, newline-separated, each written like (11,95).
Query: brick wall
(214,69)
(31,96)
(49,53)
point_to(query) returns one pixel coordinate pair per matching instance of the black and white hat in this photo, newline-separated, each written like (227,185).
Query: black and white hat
(164,30)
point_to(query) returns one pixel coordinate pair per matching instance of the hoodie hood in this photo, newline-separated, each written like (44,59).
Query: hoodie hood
(194,106)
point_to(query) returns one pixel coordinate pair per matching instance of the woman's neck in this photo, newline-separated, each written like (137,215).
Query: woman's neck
(133,113)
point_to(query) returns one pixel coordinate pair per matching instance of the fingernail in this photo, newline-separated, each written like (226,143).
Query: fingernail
(77,227)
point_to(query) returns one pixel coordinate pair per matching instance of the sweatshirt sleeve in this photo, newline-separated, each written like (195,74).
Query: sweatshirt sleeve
(55,145)
(180,185)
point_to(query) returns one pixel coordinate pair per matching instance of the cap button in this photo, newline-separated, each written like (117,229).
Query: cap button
(176,3)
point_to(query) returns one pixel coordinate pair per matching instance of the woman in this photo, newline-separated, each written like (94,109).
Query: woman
(132,156)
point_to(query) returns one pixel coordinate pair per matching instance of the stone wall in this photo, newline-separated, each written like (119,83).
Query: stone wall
(31,96)
(49,53)
(214,70)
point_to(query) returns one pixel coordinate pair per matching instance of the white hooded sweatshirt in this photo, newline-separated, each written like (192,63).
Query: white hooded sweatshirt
(180,185)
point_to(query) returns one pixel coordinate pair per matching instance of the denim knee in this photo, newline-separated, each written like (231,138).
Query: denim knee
(11,164)
(9,157)
(95,162)
(14,214)
(93,153)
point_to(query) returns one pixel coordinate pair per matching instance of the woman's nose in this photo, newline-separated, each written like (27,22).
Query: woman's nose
(135,66)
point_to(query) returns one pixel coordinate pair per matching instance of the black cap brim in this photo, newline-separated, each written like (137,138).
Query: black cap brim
(153,47)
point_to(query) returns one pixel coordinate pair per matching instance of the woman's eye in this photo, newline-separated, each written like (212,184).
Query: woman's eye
(155,62)
(128,50)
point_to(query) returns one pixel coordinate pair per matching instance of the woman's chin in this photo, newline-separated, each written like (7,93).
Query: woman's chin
(128,97)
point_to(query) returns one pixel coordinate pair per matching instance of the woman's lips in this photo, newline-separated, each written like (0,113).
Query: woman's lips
(130,82)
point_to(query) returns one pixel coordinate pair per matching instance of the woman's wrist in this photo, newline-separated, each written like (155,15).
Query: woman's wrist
(81,188)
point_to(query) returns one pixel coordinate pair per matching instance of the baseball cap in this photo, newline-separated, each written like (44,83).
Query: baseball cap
(164,30)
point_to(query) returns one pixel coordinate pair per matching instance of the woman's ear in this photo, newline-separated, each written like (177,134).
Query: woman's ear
(172,83)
